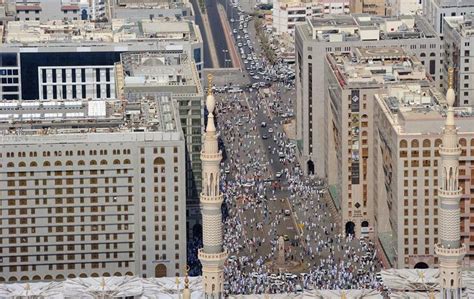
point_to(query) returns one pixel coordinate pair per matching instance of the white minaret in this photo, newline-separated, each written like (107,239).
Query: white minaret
(450,251)
(212,255)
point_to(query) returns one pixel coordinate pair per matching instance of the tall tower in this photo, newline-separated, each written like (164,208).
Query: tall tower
(212,255)
(450,251)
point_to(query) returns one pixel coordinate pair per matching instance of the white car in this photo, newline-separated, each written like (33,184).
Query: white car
(270,130)
(256,77)
(287,213)
(278,174)
(239,45)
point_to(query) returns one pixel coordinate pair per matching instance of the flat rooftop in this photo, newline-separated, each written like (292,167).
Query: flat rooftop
(413,109)
(464,25)
(33,33)
(152,69)
(365,27)
(375,66)
(144,113)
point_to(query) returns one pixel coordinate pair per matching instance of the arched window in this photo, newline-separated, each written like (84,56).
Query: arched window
(94,275)
(46,163)
(126,161)
(69,163)
(426,143)
(438,142)
(93,162)
(33,164)
(432,54)
(103,162)
(21,164)
(423,54)
(71,276)
(82,275)
(81,162)
(462,141)
(24,278)
(403,143)
(414,143)
(159,161)
(116,162)
(58,163)
(10,164)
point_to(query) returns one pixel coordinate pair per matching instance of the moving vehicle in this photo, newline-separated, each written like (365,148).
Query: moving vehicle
(287,213)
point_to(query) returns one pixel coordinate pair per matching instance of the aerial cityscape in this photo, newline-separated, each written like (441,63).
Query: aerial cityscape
(186,149)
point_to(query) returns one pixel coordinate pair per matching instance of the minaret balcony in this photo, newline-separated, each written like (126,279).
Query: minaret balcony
(449,151)
(449,193)
(212,257)
(450,252)
(211,156)
(216,199)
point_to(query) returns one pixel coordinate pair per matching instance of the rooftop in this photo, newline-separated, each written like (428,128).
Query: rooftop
(375,66)
(413,109)
(174,73)
(31,33)
(150,113)
(360,27)
(464,25)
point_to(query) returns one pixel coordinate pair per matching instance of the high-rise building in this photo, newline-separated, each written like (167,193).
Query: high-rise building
(450,249)
(407,174)
(436,10)
(154,72)
(459,53)
(92,188)
(352,80)
(78,59)
(320,36)
(212,255)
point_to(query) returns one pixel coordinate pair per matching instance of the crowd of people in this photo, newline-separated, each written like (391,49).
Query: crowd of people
(322,258)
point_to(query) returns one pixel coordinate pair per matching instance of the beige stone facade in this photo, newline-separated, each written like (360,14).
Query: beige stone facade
(407,173)
(353,79)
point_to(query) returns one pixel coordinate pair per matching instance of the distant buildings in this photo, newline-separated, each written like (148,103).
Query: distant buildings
(352,80)
(92,188)
(288,13)
(406,7)
(336,34)
(46,10)
(436,10)
(68,60)
(459,53)
(373,7)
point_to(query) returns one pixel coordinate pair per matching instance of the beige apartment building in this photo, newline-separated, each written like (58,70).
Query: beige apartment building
(406,171)
(91,188)
(373,7)
(352,80)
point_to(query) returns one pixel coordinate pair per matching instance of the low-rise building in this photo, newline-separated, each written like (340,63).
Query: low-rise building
(91,188)
(352,80)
